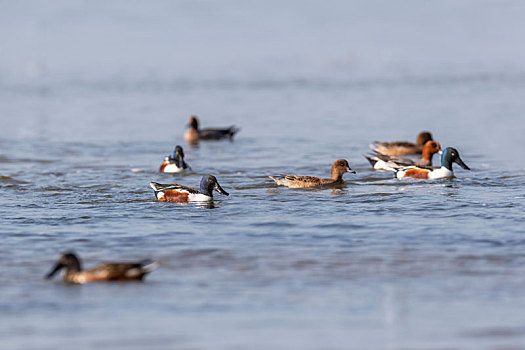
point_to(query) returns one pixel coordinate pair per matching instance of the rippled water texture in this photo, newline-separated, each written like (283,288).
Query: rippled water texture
(93,95)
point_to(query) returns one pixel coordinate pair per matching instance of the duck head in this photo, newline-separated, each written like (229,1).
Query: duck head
(340,167)
(69,261)
(209,183)
(178,157)
(430,148)
(451,155)
(423,137)
(193,122)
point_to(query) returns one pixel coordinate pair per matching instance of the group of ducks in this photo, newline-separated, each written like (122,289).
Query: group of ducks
(391,156)
(69,263)
(387,157)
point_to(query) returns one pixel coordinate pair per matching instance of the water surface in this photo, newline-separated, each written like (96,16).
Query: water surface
(99,93)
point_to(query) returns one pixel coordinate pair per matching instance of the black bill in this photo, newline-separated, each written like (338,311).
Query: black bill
(57,267)
(461,164)
(219,189)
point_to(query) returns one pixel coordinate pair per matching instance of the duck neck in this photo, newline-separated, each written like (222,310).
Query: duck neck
(206,188)
(427,155)
(336,175)
(72,268)
(179,162)
(194,124)
(75,266)
(446,162)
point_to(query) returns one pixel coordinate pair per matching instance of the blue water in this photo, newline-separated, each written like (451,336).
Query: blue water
(94,95)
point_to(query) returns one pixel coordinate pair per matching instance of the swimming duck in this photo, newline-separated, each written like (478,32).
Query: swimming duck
(112,271)
(175,162)
(183,194)
(401,148)
(383,162)
(449,156)
(339,167)
(194,134)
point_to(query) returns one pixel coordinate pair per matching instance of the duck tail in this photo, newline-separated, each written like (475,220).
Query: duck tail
(371,160)
(374,146)
(232,131)
(138,270)
(395,170)
(155,186)
(149,265)
(276,179)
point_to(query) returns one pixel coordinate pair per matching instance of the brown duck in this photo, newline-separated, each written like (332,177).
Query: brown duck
(401,148)
(339,167)
(112,271)
(195,134)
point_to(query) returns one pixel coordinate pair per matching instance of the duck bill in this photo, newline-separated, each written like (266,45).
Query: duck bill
(219,189)
(57,267)
(461,164)
(350,171)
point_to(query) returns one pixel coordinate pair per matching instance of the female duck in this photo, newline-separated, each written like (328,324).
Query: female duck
(339,167)
(114,271)
(194,134)
(401,148)
(383,162)
(175,162)
(450,155)
(182,194)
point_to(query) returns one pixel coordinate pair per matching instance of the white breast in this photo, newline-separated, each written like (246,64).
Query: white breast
(172,168)
(440,173)
(199,197)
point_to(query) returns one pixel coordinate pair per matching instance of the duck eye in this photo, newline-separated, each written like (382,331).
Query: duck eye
(452,154)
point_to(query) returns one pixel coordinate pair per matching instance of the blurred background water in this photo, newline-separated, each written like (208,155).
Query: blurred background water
(94,94)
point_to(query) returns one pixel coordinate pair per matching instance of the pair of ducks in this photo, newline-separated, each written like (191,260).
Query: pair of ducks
(386,158)
(175,163)
(182,194)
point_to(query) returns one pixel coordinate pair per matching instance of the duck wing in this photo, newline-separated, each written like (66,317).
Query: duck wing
(174,187)
(395,148)
(115,271)
(399,161)
(218,133)
(296,181)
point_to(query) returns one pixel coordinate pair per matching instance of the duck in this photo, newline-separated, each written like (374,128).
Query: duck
(339,167)
(106,272)
(383,162)
(175,162)
(182,194)
(194,134)
(449,156)
(402,148)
